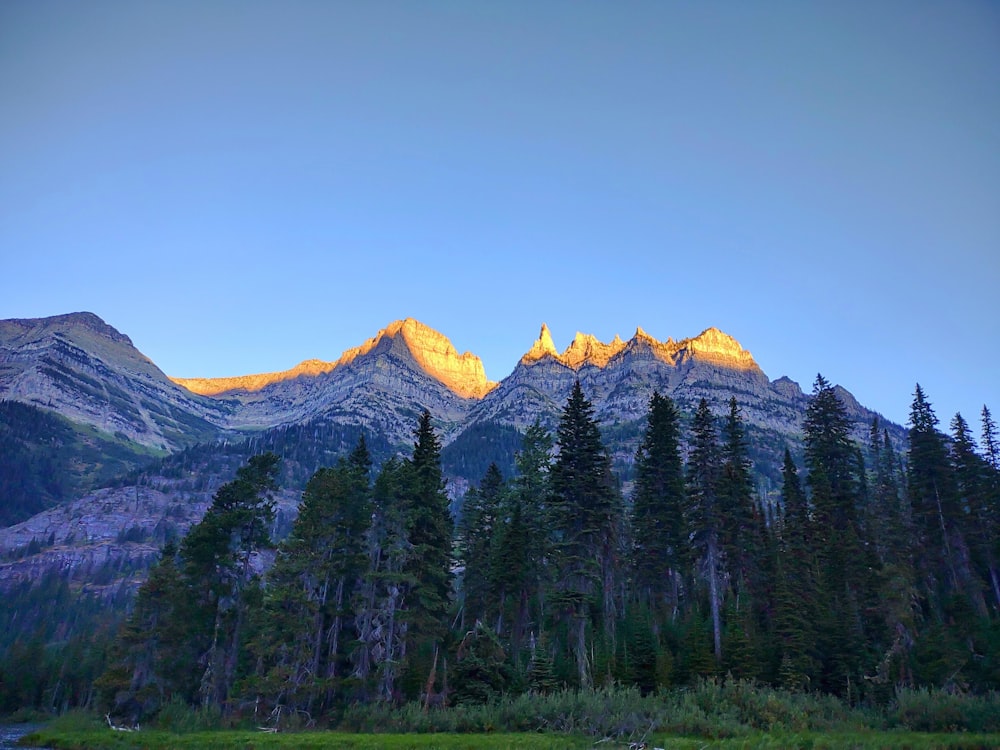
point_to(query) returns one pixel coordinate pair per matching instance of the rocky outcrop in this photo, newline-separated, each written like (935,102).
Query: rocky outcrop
(122,529)
(433,353)
(383,384)
(87,371)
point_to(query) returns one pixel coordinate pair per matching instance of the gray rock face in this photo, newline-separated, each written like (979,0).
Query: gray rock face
(84,369)
(120,529)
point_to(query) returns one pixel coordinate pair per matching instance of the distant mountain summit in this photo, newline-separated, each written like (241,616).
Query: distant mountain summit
(433,353)
(79,366)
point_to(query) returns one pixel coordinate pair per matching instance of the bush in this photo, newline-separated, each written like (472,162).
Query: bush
(930,710)
(712,708)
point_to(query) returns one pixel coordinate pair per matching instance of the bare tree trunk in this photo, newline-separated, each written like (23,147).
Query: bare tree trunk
(715,596)
(582,662)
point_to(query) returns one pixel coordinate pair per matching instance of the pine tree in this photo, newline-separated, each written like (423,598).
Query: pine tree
(845,567)
(704,514)
(796,605)
(743,541)
(971,481)
(586,516)
(477,532)
(307,620)
(936,507)
(380,599)
(658,539)
(428,564)
(192,613)
(991,444)
(521,560)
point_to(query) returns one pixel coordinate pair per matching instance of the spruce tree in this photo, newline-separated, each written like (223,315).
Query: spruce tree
(796,604)
(991,444)
(845,567)
(971,482)
(937,510)
(428,564)
(381,597)
(522,561)
(308,622)
(477,534)
(658,539)
(704,515)
(586,516)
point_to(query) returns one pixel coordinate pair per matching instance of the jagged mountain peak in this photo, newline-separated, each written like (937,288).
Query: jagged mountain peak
(86,323)
(711,345)
(543,347)
(462,373)
(719,348)
(433,353)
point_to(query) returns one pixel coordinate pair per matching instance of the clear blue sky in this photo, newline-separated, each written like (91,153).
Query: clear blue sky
(239,186)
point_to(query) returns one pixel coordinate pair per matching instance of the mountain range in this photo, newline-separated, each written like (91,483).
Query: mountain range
(82,370)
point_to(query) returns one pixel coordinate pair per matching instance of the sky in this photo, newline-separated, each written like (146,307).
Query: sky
(240,186)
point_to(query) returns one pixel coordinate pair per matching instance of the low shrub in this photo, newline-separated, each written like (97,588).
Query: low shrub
(931,710)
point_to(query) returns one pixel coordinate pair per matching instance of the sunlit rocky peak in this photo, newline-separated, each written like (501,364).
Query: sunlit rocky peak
(542,347)
(712,345)
(462,373)
(434,354)
(586,348)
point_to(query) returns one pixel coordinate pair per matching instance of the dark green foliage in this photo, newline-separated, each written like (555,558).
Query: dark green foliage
(659,543)
(45,460)
(845,565)
(484,443)
(704,514)
(307,622)
(586,518)
(187,633)
(429,533)
(481,671)
(480,545)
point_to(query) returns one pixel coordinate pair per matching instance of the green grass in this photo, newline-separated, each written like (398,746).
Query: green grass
(247,740)
(101,739)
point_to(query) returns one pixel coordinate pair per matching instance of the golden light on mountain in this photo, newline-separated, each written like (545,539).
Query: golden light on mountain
(463,374)
(711,345)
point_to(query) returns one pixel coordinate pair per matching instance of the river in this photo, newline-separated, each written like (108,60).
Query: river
(11,733)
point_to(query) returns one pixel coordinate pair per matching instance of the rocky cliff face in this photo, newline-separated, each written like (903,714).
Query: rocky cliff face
(619,377)
(84,369)
(383,384)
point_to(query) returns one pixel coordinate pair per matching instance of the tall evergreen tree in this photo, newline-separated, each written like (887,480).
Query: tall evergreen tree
(991,444)
(192,615)
(428,564)
(971,473)
(308,622)
(845,565)
(796,604)
(586,511)
(659,546)
(477,532)
(706,524)
(522,560)
(381,596)
(743,545)
(936,507)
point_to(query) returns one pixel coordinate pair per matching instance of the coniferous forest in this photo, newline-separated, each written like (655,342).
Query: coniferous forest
(876,572)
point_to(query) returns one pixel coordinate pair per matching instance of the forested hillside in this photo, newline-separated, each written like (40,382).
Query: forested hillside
(45,459)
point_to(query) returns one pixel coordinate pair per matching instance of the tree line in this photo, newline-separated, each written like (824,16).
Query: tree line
(876,570)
